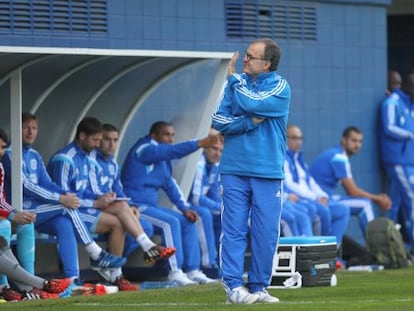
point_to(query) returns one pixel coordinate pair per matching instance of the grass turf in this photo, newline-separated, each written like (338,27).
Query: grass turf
(382,290)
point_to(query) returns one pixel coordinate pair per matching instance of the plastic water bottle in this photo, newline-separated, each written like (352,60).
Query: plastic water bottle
(158,284)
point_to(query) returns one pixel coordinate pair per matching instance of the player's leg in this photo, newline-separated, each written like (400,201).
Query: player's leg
(407,200)
(132,225)
(288,217)
(360,207)
(24,280)
(206,237)
(25,247)
(61,227)
(170,229)
(5,232)
(303,220)
(340,219)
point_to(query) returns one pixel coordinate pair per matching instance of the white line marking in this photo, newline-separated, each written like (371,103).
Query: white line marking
(175,304)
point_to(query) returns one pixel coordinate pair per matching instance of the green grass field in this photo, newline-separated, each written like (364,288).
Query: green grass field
(383,290)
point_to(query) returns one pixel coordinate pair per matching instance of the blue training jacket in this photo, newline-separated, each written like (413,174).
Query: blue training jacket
(147,168)
(107,174)
(70,168)
(397,129)
(255,150)
(38,188)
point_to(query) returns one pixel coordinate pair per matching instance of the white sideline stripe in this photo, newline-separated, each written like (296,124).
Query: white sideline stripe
(175,304)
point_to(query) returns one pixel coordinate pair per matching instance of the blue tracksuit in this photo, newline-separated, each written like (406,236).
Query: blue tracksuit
(147,169)
(70,168)
(397,154)
(109,180)
(252,171)
(41,196)
(205,198)
(294,215)
(334,218)
(328,169)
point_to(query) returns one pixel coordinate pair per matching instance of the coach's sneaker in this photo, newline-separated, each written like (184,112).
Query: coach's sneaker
(56,286)
(107,260)
(11,295)
(240,295)
(158,252)
(265,297)
(200,277)
(180,278)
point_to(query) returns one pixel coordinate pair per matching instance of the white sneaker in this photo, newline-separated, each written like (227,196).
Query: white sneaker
(180,278)
(200,277)
(265,297)
(240,295)
(105,273)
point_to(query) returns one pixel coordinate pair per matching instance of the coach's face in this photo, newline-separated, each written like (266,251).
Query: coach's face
(254,62)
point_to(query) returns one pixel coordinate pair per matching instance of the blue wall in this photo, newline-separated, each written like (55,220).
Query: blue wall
(337,78)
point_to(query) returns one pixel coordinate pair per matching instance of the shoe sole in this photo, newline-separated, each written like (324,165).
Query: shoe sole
(251,300)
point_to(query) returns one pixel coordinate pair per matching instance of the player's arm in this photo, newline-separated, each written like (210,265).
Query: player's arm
(176,196)
(152,153)
(390,118)
(382,200)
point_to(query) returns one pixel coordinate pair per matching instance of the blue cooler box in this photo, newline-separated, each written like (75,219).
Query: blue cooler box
(313,257)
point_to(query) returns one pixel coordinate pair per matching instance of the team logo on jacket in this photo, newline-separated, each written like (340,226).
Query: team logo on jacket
(33,178)
(111,169)
(79,185)
(104,180)
(33,164)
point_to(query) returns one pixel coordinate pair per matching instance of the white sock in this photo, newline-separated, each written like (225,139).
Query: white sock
(115,273)
(145,242)
(93,250)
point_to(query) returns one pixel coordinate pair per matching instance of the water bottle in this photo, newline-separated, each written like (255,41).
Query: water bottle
(158,284)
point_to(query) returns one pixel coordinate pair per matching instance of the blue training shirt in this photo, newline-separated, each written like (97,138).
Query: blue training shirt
(147,169)
(330,167)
